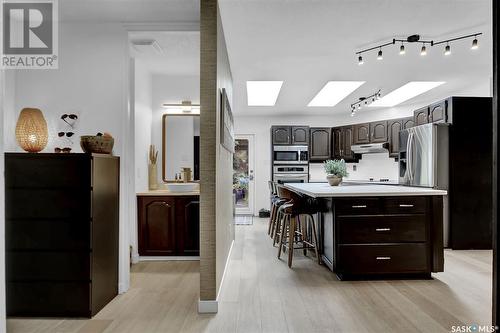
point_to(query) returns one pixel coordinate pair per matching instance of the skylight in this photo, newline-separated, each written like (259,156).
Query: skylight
(406,92)
(333,92)
(263,93)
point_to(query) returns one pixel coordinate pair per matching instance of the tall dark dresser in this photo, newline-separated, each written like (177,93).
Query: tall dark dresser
(61,233)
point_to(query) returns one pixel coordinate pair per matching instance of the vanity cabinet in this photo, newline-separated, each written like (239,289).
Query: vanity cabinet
(61,233)
(168,225)
(320,147)
(421,116)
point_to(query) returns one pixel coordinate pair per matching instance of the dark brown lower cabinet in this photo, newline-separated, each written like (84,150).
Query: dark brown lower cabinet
(381,236)
(61,233)
(169,225)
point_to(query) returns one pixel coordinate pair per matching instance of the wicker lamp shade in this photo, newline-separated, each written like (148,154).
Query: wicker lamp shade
(31,130)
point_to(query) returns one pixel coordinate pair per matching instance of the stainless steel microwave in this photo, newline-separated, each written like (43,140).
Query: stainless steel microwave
(291,155)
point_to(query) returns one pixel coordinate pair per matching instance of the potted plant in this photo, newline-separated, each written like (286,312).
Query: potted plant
(335,170)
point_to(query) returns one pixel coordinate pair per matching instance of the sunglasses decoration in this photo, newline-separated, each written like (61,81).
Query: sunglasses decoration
(69,119)
(65,150)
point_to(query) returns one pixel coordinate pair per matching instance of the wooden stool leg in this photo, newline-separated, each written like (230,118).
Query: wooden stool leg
(315,235)
(291,234)
(277,226)
(303,224)
(282,233)
(271,219)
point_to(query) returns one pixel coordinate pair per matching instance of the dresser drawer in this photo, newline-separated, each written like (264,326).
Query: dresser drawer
(381,229)
(405,205)
(357,206)
(389,258)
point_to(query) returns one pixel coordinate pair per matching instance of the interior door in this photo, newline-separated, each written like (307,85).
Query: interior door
(243,174)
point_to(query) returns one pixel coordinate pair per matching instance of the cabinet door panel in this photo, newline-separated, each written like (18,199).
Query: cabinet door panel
(421,116)
(347,142)
(320,144)
(408,122)
(188,226)
(394,126)
(300,135)
(378,131)
(361,134)
(157,226)
(338,138)
(438,112)
(281,135)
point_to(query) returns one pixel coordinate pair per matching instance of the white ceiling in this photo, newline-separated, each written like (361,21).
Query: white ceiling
(180,56)
(306,43)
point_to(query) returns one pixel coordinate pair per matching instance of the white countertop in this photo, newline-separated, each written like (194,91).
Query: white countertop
(166,193)
(324,190)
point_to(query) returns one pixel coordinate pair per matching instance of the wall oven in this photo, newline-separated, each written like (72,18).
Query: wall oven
(291,174)
(290,155)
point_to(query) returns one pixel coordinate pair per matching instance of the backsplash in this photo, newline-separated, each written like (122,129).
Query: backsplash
(374,166)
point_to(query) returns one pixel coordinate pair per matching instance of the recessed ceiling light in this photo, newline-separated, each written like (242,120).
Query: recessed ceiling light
(406,92)
(333,92)
(263,93)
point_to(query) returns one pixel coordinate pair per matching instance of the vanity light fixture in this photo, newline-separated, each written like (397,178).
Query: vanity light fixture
(423,50)
(333,92)
(183,107)
(365,100)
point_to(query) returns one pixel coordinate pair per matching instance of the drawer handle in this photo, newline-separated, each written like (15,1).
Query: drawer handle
(405,206)
(359,206)
(383,258)
(383,229)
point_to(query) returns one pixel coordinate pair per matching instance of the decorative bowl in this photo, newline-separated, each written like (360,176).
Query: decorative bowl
(97,144)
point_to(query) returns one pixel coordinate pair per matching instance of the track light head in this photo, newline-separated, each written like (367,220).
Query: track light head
(360,60)
(379,55)
(402,49)
(423,51)
(447,50)
(475,44)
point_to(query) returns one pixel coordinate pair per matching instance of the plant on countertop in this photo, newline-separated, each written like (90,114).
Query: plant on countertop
(152,172)
(336,167)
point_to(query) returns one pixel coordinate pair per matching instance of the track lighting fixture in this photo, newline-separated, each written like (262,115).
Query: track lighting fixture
(423,50)
(364,101)
(447,50)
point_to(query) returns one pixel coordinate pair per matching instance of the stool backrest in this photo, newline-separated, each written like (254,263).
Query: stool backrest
(285,193)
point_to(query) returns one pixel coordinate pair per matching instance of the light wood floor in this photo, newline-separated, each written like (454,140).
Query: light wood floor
(261,294)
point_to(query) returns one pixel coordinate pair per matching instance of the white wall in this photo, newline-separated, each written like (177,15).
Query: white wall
(92,80)
(170,89)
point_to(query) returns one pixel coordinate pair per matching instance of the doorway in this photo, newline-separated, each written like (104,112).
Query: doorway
(243,175)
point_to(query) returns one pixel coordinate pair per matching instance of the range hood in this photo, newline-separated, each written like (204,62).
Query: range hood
(371,148)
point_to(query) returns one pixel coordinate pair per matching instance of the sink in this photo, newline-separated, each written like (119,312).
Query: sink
(183,187)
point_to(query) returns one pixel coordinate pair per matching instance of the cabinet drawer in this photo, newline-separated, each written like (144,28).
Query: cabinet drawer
(48,299)
(381,229)
(357,206)
(405,205)
(376,259)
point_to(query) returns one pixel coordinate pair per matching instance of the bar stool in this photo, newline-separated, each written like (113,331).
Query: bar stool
(276,203)
(293,229)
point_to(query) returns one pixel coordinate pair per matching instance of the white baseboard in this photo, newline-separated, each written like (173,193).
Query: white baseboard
(135,258)
(168,258)
(122,288)
(208,306)
(213,306)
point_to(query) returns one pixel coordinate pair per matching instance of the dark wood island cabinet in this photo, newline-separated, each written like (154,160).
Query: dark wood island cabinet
(61,232)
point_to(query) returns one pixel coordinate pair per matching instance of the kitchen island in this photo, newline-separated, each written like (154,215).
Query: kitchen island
(374,231)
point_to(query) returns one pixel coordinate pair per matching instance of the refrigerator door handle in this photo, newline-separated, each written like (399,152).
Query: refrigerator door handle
(410,156)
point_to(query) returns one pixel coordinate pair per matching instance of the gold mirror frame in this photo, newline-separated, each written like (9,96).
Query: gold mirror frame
(164,149)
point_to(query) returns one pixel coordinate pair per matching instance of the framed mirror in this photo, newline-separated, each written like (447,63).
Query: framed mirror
(180,145)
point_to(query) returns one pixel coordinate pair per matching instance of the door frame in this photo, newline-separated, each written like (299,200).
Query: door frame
(251,168)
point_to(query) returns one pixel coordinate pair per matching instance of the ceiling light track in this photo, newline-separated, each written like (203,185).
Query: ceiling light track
(416,39)
(364,101)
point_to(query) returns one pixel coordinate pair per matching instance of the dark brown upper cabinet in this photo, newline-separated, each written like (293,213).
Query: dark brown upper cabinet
(421,116)
(347,142)
(281,135)
(361,133)
(300,135)
(320,147)
(438,113)
(408,122)
(393,127)
(337,142)
(378,131)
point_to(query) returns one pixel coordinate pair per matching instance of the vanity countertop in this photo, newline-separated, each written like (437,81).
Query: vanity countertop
(166,193)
